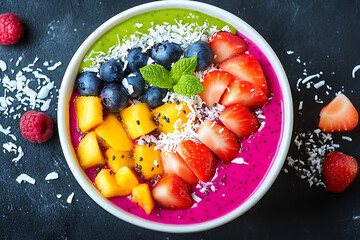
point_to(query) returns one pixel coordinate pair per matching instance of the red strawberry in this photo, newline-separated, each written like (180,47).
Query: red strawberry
(219,139)
(240,120)
(244,93)
(245,67)
(199,158)
(215,84)
(339,171)
(225,45)
(173,163)
(172,192)
(339,115)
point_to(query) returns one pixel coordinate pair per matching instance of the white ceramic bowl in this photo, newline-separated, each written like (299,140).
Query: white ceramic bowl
(67,87)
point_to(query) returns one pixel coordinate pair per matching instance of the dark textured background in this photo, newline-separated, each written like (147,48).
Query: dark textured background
(324,34)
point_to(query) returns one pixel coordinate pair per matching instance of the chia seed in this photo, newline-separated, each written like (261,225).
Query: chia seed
(78,129)
(152,169)
(122,156)
(131,155)
(184,111)
(177,102)
(215,104)
(140,159)
(113,157)
(137,122)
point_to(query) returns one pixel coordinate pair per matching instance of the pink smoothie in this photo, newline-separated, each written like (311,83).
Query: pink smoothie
(234,183)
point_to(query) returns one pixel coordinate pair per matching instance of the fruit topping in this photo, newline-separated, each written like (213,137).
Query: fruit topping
(127,180)
(114,97)
(136,59)
(105,181)
(244,93)
(118,159)
(240,120)
(11,28)
(172,192)
(89,112)
(141,195)
(134,84)
(339,115)
(199,158)
(214,84)
(203,52)
(166,53)
(339,171)
(226,45)
(147,161)
(112,134)
(137,120)
(219,139)
(154,96)
(88,84)
(36,126)
(173,163)
(112,71)
(245,67)
(89,152)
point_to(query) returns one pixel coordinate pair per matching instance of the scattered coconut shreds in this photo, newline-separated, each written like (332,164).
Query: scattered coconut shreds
(58,195)
(356,68)
(26,178)
(239,160)
(347,138)
(52,176)
(196,198)
(70,198)
(290,52)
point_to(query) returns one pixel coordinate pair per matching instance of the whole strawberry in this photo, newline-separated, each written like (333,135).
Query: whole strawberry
(339,171)
(11,28)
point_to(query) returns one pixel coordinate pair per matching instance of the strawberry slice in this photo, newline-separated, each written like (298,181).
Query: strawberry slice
(339,171)
(244,93)
(199,158)
(214,83)
(173,163)
(225,45)
(240,120)
(245,67)
(219,139)
(339,115)
(172,192)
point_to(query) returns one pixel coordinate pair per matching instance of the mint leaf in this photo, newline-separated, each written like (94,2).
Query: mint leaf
(157,75)
(182,67)
(188,85)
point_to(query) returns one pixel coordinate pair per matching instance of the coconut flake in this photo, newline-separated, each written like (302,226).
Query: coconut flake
(355,69)
(129,88)
(196,198)
(55,66)
(70,198)
(239,160)
(3,66)
(52,176)
(26,178)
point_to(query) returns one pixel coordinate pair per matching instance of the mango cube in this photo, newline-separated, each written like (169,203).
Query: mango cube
(147,161)
(113,134)
(118,159)
(171,116)
(138,120)
(127,180)
(89,153)
(89,112)
(141,195)
(105,181)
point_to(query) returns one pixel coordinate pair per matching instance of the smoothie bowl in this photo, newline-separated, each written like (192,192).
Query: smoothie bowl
(175,116)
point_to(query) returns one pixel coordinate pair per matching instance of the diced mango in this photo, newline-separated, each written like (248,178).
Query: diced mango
(171,116)
(89,153)
(141,195)
(127,180)
(147,161)
(89,112)
(105,181)
(119,159)
(113,134)
(138,120)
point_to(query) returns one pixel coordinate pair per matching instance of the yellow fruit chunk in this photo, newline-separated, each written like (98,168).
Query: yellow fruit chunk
(137,120)
(171,116)
(89,153)
(127,180)
(105,181)
(147,161)
(89,112)
(141,195)
(119,159)
(113,134)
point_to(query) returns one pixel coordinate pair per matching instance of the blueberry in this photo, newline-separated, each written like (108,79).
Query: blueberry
(134,83)
(114,97)
(203,52)
(154,96)
(137,59)
(112,71)
(88,84)
(166,54)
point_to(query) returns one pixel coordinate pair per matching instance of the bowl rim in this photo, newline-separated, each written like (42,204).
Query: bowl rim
(63,116)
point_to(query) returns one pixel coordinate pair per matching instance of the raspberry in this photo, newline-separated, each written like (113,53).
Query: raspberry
(36,126)
(11,28)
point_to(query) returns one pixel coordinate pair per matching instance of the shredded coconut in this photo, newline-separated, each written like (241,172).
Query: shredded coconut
(52,176)
(70,198)
(26,178)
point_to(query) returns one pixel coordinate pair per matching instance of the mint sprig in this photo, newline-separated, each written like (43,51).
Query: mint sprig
(180,77)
